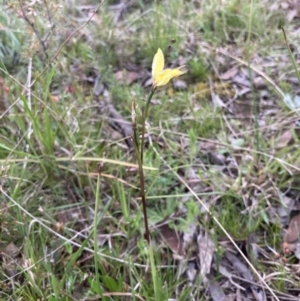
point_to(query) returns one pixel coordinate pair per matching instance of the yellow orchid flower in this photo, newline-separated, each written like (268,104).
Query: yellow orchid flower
(161,77)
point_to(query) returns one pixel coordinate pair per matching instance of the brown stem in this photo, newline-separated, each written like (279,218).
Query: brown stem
(143,197)
(139,151)
(144,117)
(142,184)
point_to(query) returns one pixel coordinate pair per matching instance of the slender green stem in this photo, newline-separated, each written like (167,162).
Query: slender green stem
(250,24)
(291,55)
(143,196)
(142,181)
(255,108)
(136,142)
(96,220)
(139,150)
(144,117)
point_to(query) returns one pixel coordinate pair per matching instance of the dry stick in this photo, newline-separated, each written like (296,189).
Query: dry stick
(79,159)
(215,220)
(52,25)
(121,294)
(34,30)
(99,297)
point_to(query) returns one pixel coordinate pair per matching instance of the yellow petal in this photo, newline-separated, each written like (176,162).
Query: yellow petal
(157,64)
(166,75)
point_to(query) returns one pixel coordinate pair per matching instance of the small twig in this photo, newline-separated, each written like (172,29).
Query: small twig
(31,24)
(121,294)
(52,25)
(99,297)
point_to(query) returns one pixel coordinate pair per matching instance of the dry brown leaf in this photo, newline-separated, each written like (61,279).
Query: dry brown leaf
(291,239)
(127,77)
(9,259)
(285,139)
(216,292)
(208,145)
(11,250)
(259,82)
(241,80)
(293,232)
(290,6)
(192,178)
(229,73)
(239,266)
(206,251)
(216,158)
(179,84)
(217,101)
(294,10)
(171,238)
(94,17)
(119,124)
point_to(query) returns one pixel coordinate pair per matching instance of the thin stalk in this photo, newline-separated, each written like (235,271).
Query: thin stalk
(142,185)
(143,197)
(255,108)
(154,275)
(291,55)
(254,103)
(97,203)
(250,24)
(139,151)
(144,117)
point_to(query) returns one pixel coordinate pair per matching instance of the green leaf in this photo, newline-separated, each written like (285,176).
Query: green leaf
(110,283)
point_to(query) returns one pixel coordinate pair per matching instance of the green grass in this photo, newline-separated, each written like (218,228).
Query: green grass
(71,217)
